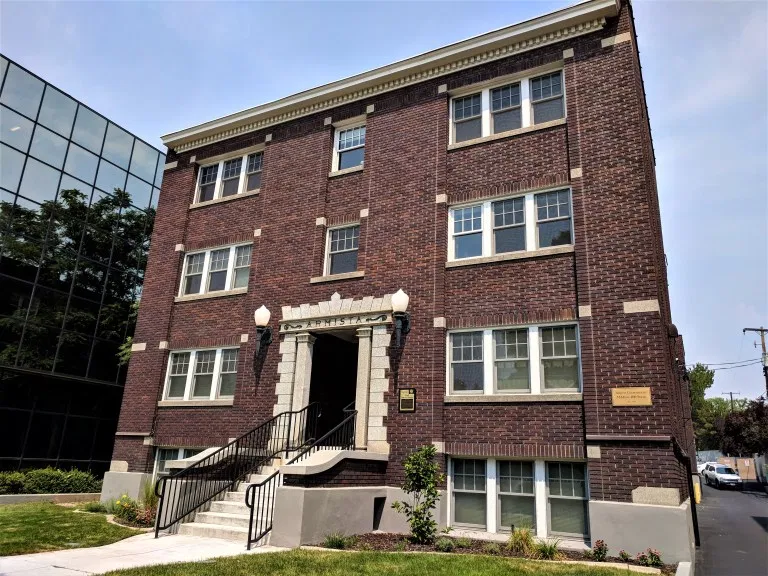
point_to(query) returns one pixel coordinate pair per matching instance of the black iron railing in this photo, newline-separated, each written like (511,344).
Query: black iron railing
(260,497)
(182,493)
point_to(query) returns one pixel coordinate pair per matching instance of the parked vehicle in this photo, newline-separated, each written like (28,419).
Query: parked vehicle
(721,475)
(701,465)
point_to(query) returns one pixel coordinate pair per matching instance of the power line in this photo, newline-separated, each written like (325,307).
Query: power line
(732,367)
(725,363)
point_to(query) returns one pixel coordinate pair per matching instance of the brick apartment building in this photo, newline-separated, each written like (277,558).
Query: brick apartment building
(506,184)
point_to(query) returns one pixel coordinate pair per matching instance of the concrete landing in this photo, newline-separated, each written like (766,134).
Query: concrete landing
(142,550)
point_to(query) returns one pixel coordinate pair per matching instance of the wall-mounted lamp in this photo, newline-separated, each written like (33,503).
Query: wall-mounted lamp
(402,319)
(263,333)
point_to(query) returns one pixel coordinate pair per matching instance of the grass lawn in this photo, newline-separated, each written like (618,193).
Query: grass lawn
(42,527)
(306,563)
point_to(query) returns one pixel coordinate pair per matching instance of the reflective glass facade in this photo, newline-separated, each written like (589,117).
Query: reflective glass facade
(77,205)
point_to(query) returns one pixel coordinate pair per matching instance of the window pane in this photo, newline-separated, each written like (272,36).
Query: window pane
(89,129)
(230,187)
(40,182)
(468,245)
(509,239)
(22,91)
(117,146)
(351,158)
(11,165)
(505,96)
(253,181)
(176,386)
(232,168)
(466,346)
(555,233)
(467,219)
(243,256)
(560,373)
(48,147)
(509,120)
(352,138)
(15,129)
(343,262)
(548,110)
(206,192)
(110,177)
(241,278)
(227,385)
(568,516)
(139,191)
(517,511)
(57,112)
(469,508)
(192,284)
(466,107)
(468,130)
(144,161)
(218,266)
(255,162)
(81,164)
(202,385)
(467,376)
(512,375)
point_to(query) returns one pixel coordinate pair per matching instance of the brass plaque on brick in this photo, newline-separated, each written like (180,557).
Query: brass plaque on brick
(407,400)
(634,396)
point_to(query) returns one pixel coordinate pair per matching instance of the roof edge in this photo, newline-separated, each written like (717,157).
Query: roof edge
(556,26)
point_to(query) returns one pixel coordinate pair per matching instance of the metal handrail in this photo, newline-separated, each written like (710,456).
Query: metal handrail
(183,492)
(261,495)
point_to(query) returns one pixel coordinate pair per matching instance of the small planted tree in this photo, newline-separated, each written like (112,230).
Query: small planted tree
(422,476)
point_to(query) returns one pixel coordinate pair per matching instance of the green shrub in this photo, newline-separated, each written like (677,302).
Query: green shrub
(600,551)
(11,482)
(148,497)
(492,548)
(422,475)
(650,558)
(54,481)
(548,550)
(463,543)
(95,507)
(336,540)
(127,509)
(444,545)
(521,542)
(624,555)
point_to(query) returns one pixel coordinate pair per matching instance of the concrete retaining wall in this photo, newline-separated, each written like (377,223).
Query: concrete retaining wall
(58,498)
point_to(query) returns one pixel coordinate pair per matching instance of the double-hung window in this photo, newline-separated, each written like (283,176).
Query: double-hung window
(522,103)
(349,147)
(520,224)
(517,502)
(567,495)
(217,270)
(342,249)
(230,177)
(201,374)
(520,360)
(469,489)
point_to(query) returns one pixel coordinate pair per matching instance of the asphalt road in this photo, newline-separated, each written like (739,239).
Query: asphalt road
(734,532)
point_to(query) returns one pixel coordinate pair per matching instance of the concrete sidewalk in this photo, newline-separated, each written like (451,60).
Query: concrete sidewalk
(142,550)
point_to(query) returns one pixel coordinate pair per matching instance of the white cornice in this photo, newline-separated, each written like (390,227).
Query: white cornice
(576,20)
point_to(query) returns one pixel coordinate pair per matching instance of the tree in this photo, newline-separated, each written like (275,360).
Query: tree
(701,378)
(711,420)
(745,432)
(422,475)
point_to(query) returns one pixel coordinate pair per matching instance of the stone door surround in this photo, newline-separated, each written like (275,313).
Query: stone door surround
(370,318)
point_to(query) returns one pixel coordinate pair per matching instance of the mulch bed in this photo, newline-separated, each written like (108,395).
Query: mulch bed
(384,542)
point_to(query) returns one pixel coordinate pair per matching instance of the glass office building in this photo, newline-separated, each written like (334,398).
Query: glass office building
(77,204)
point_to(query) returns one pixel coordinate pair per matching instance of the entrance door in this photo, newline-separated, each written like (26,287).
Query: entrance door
(334,377)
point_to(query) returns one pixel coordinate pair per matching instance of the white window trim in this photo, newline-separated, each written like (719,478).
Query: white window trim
(540,495)
(531,224)
(214,394)
(218,189)
(340,127)
(327,260)
(526,104)
(179,453)
(206,269)
(535,376)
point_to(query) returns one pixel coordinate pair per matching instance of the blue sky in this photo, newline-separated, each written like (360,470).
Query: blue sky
(159,67)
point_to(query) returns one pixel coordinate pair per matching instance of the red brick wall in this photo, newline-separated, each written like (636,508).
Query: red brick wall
(618,256)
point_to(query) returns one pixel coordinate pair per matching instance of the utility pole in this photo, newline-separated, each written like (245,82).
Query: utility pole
(731,395)
(762,332)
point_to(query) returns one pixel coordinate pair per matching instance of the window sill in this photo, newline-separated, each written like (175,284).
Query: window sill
(513,398)
(511,133)
(521,255)
(192,297)
(225,199)
(334,277)
(352,170)
(195,403)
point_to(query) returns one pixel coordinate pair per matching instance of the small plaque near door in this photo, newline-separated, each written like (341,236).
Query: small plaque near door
(632,396)
(407,400)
